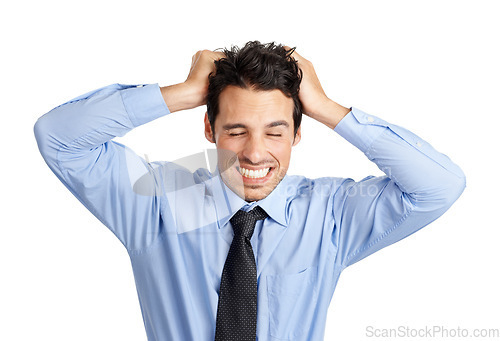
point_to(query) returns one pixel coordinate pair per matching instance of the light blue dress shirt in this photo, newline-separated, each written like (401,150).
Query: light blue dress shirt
(175,223)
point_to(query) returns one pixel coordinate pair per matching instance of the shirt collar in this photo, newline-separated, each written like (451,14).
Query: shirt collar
(227,203)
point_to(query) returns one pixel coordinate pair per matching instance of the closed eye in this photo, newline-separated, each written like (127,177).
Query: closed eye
(238,134)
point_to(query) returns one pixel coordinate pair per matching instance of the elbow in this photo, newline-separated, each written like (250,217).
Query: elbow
(456,185)
(449,194)
(455,189)
(453,186)
(439,197)
(447,185)
(44,137)
(39,129)
(451,190)
(41,132)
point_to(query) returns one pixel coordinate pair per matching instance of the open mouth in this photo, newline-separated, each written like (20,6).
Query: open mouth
(255,174)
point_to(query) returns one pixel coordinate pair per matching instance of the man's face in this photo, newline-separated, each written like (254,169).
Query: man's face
(257,128)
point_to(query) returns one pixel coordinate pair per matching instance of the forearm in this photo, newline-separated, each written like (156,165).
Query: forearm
(330,113)
(181,97)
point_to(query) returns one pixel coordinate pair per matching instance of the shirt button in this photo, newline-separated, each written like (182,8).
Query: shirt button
(140,86)
(418,143)
(370,119)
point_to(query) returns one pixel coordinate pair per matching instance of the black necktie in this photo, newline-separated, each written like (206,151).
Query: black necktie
(237,309)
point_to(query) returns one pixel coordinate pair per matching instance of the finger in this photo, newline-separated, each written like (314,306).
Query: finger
(288,48)
(216,55)
(294,54)
(220,54)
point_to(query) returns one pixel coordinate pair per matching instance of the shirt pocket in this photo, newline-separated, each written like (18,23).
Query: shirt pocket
(292,301)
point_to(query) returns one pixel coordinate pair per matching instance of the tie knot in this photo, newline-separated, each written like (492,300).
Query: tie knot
(244,222)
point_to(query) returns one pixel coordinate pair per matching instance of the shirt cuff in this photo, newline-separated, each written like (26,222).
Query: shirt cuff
(360,129)
(144,103)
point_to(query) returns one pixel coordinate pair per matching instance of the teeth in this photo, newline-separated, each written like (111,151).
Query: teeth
(254,174)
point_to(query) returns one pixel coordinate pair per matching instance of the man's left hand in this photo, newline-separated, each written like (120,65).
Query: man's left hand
(315,103)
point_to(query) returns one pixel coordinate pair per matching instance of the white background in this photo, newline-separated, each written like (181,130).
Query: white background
(429,66)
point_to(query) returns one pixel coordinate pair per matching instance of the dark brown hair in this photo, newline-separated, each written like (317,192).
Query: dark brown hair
(259,67)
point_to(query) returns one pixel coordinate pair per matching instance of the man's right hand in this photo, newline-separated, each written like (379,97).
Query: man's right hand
(193,92)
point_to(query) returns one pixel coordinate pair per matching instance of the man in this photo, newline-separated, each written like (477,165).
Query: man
(245,252)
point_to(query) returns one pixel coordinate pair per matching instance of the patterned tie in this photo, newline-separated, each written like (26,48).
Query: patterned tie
(237,309)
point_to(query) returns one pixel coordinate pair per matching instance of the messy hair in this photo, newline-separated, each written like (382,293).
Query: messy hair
(258,67)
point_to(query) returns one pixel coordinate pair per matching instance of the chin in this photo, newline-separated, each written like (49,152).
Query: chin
(251,198)
(257,194)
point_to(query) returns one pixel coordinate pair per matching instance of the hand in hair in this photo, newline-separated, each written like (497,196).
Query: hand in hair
(202,64)
(193,91)
(315,103)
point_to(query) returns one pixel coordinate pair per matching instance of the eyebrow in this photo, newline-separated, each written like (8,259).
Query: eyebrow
(270,125)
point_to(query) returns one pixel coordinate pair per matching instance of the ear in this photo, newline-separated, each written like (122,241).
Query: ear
(297,136)
(208,130)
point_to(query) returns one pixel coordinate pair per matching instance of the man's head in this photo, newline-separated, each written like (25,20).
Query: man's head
(254,112)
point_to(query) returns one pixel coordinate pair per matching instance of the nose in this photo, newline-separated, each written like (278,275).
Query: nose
(255,149)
